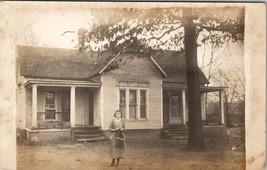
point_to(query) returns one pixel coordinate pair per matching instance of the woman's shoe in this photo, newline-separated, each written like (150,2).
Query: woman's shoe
(112,164)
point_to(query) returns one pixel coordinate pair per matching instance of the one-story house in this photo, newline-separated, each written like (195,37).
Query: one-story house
(60,90)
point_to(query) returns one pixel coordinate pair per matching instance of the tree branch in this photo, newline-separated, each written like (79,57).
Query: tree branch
(166,32)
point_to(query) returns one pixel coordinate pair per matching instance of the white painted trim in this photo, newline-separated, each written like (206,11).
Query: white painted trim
(127,91)
(24,108)
(72,106)
(138,104)
(61,83)
(147,103)
(34,106)
(102,104)
(222,106)
(203,106)
(101,71)
(127,116)
(46,130)
(163,72)
(184,106)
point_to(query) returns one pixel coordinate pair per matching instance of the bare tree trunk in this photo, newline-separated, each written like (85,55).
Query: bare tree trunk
(195,137)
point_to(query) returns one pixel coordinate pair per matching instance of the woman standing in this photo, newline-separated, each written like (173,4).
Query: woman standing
(117,144)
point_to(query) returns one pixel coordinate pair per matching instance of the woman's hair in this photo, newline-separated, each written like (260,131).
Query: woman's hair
(116,112)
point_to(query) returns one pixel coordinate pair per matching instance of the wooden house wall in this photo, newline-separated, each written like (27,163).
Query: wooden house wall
(21,108)
(139,69)
(97,107)
(28,107)
(82,106)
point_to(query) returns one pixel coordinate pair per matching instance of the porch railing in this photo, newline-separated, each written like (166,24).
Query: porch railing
(213,118)
(61,120)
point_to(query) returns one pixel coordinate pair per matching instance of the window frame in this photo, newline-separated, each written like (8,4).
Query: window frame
(138,103)
(50,109)
(122,104)
(134,105)
(143,104)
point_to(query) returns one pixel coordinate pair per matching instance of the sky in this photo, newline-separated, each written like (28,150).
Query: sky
(45,27)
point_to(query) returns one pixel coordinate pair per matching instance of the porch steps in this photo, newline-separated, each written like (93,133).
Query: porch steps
(177,132)
(87,134)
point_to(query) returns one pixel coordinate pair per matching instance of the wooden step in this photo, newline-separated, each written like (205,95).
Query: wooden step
(87,133)
(180,137)
(86,129)
(100,138)
(175,132)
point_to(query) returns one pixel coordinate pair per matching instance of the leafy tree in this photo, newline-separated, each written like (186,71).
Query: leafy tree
(217,62)
(181,29)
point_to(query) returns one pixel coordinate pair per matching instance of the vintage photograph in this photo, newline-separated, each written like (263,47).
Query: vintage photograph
(130,86)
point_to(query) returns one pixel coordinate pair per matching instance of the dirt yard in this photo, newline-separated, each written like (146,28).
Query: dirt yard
(142,154)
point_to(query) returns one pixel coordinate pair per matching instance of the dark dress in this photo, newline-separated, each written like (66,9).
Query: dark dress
(117,139)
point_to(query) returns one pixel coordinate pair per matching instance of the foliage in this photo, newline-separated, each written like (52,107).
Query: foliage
(145,31)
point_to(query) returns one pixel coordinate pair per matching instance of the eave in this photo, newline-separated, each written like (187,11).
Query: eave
(61,83)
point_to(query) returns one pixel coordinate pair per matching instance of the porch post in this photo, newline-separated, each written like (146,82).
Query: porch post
(222,107)
(203,105)
(72,106)
(34,105)
(184,106)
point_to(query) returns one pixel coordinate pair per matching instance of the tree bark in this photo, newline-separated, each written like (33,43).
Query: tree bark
(195,137)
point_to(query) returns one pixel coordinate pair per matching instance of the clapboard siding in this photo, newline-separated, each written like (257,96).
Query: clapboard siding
(21,104)
(40,103)
(110,104)
(139,69)
(82,106)
(28,107)
(97,108)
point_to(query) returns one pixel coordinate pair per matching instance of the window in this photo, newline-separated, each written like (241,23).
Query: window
(142,104)
(133,103)
(49,105)
(122,102)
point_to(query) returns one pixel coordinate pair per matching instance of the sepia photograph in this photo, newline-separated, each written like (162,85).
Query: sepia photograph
(134,85)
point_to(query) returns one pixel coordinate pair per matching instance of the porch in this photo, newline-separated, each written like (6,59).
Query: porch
(175,105)
(55,109)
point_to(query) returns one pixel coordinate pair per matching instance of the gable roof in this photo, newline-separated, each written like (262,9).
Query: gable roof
(174,65)
(59,63)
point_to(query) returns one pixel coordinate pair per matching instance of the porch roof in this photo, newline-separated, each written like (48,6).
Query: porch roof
(59,63)
(211,89)
(177,86)
(62,83)
(173,64)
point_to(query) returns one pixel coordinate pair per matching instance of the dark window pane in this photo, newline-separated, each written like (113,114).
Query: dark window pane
(132,96)
(50,114)
(122,96)
(132,111)
(49,97)
(142,111)
(143,97)
(122,109)
(50,105)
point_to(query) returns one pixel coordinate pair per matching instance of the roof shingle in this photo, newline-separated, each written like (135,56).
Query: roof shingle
(58,63)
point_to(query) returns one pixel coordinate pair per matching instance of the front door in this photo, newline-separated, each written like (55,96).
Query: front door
(65,105)
(172,107)
(175,114)
(91,107)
